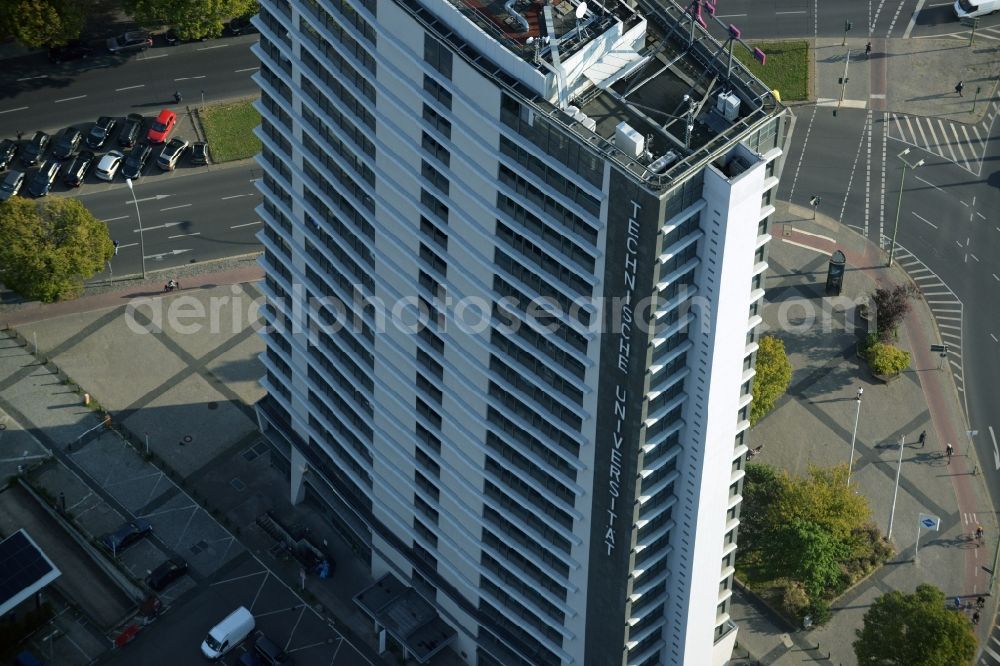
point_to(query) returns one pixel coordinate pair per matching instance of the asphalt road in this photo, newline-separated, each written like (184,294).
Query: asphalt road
(193,214)
(36,94)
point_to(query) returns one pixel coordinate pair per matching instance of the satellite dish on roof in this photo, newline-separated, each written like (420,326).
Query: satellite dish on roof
(581,9)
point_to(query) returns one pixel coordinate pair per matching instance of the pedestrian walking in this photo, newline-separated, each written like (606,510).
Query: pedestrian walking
(959,87)
(949,451)
(20,133)
(979,533)
(923,438)
(177,97)
(958,604)
(980,602)
(117,246)
(975,618)
(868,49)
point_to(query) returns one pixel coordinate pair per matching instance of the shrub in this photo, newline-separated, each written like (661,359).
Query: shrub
(774,374)
(795,600)
(887,360)
(890,306)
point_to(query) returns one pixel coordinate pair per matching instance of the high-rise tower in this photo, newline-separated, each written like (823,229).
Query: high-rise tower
(514,258)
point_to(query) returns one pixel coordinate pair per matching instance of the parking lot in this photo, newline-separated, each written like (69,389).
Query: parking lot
(278,612)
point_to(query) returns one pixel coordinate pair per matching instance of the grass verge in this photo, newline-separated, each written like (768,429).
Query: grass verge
(229,131)
(786,68)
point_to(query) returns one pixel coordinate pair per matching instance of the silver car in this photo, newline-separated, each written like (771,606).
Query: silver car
(171,153)
(108,166)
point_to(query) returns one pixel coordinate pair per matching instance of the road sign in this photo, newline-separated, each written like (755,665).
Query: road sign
(939,348)
(929,522)
(969,21)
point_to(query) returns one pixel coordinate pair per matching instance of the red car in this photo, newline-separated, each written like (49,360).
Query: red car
(161,127)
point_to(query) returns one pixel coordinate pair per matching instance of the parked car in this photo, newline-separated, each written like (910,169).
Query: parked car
(108,166)
(74,50)
(8,149)
(228,633)
(269,652)
(199,152)
(162,126)
(135,162)
(171,38)
(166,573)
(42,181)
(171,153)
(125,535)
(131,129)
(11,184)
(32,153)
(101,132)
(76,170)
(249,659)
(67,143)
(129,42)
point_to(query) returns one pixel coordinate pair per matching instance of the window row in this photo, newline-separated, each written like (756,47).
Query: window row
(346,153)
(360,221)
(518,301)
(566,240)
(342,35)
(540,257)
(539,395)
(527,441)
(554,178)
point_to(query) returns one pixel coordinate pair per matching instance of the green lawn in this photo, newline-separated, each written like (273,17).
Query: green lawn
(229,131)
(786,69)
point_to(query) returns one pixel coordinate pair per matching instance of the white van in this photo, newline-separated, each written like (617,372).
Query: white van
(227,634)
(974,8)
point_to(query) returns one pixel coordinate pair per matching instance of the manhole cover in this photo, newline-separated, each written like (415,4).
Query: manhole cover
(212,405)
(187,439)
(236,483)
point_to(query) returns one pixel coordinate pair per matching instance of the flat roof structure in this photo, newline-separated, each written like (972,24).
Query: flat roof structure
(406,615)
(24,570)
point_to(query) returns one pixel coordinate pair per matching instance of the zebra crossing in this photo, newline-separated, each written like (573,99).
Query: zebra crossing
(991,33)
(965,145)
(945,306)
(990,655)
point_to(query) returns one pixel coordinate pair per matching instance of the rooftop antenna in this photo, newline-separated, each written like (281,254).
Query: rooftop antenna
(581,11)
(537,44)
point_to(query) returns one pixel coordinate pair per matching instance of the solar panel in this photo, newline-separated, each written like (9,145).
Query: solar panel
(24,569)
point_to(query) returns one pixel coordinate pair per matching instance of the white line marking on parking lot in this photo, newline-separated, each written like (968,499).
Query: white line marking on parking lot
(259,588)
(20,108)
(234,196)
(29,78)
(248,224)
(217,46)
(233,580)
(69,99)
(141,85)
(187,78)
(112,219)
(197,233)
(294,627)
(175,207)
(254,69)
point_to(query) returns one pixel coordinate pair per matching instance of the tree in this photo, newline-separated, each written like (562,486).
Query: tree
(890,306)
(809,553)
(823,498)
(47,250)
(774,374)
(762,489)
(914,630)
(887,360)
(37,23)
(190,19)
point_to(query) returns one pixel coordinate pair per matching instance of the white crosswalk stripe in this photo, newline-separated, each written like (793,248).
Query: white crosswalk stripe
(965,145)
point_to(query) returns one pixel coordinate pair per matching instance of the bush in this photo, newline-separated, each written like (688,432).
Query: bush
(887,360)
(795,601)
(890,306)
(820,611)
(774,374)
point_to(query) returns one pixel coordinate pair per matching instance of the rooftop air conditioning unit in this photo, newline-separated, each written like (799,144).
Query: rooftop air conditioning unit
(628,140)
(727,105)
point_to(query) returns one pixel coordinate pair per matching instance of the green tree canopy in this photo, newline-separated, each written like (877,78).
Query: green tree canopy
(914,630)
(809,553)
(48,249)
(37,23)
(774,374)
(823,498)
(191,19)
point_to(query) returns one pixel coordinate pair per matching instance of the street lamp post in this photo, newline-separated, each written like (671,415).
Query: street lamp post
(899,203)
(854,437)
(899,467)
(142,246)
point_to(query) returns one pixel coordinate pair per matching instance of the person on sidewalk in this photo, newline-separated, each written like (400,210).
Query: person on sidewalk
(949,451)
(923,438)
(980,602)
(177,97)
(975,618)
(20,133)
(868,49)
(979,533)
(959,87)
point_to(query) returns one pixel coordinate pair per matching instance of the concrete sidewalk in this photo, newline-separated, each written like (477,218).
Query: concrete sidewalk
(813,424)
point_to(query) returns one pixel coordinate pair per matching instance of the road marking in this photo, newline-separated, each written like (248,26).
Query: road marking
(974,257)
(994,338)
(157,197)
(926,182)
(160,226)
(217,46)
(175,207)
(801,11)
(197,233)
(729,15)
(996,278)
(996,451)
(234,196)
(913,19)
(68,99)
(254,69)
(29,78)
(124,245)
(925,221)
(20,108)
(958,144)
(188,78)
(112,219)
(162,55)
(252,224)
(980,215)
(803,245)
(141,85)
